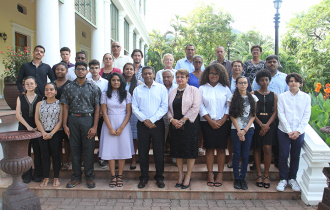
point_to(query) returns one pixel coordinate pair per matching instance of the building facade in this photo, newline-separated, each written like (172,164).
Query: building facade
(81,25)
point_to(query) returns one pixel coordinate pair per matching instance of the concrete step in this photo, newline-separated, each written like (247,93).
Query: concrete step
(197,190)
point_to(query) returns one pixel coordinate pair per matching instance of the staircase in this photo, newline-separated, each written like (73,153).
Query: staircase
(197,190)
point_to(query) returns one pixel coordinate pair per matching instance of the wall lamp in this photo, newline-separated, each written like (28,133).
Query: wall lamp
(4,36)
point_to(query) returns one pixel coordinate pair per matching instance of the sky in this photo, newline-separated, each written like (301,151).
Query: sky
(248,14)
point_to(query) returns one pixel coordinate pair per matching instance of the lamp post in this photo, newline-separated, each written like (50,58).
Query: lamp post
(228,49)
(277,5)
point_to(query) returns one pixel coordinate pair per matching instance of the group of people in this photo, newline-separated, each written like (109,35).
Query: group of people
(128,106)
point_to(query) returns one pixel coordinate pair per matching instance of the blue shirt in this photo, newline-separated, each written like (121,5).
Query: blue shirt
(277,84)
(193,80)
(184,63)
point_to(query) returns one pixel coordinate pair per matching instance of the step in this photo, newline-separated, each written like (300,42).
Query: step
(197,190)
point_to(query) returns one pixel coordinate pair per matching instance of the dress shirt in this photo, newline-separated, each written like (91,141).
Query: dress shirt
(71,75)
(70,65)
(226,64)
(121,60)
(150,103)
(184,63)
(101,83)
(40,73)
(81,99)
(174,85)
(232,82)
(277,84)
(159,76)
(294,111)
(214,101)
(139,74)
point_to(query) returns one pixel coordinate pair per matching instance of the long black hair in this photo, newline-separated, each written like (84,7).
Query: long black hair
(121,91)
(237,103)
(133,80)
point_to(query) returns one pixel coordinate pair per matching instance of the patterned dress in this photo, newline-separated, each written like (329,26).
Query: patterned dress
(250,69)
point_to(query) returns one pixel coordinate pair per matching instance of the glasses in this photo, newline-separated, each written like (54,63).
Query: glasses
(214,74)
(242,83)
(80,58)
(81,69)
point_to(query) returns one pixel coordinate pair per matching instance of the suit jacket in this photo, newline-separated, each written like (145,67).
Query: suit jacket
(191,102)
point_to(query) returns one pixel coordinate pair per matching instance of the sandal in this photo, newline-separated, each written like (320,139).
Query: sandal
(120,181)
(218,184)
(211,184)
(44,182)
(259,184)
(266,185)
(113,182)
(56,182)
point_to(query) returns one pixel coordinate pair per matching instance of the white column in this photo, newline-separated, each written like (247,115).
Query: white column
(143,43)
(107,27)
(142,10)
(47,27)
(97,45)
(131,31)
(67,27)
(138,37)
(316,156)
(121,33)
(146,52)
(137,5)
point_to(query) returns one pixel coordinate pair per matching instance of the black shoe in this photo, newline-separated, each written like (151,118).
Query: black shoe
(90,183)
(142,183)
(37,179)
(186,186)
(102,164)
(237,184)
(244,184)
(73,183)
(160,183)
(132,167)
(180,184)
(253,166)
(27,180)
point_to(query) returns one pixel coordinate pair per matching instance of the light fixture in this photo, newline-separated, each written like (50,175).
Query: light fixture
(4,36)
(228,49)
(277,4)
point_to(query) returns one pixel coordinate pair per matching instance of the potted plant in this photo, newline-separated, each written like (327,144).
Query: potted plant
(13,60)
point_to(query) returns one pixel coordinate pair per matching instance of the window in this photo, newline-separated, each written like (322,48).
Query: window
(134,40)
(114,20)
(21,9)
(126,36)
(20,41)
(140,44)
(87,10)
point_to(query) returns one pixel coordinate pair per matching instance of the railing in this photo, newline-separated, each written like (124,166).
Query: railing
(315,155)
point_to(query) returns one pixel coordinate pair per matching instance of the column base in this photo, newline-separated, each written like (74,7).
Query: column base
(26,200)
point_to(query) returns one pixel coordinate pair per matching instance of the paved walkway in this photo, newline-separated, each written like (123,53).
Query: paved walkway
(160,204)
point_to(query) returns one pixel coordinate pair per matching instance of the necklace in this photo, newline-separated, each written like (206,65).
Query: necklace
(181,89)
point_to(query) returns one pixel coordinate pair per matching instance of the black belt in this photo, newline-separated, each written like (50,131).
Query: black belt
(82,115)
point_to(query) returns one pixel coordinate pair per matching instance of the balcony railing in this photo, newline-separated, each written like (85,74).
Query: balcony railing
(87,10)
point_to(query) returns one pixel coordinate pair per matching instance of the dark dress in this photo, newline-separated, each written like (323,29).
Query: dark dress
(60,89)
(264,105)
(184,142)
(28,110)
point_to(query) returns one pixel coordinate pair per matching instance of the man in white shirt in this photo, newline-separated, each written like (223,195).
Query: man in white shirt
(150,104)
(187,62)
(120,60)
(94,69)
(71,75)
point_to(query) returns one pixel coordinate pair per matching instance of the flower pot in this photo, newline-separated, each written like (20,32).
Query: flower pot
(15,162)
(11,93)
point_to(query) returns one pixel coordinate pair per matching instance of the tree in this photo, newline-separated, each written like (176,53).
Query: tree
(308,39)
(208,27)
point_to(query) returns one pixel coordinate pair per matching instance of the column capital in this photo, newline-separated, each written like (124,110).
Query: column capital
(122,14)
(131,28)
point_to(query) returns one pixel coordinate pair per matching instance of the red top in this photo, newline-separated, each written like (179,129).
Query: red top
(113,70)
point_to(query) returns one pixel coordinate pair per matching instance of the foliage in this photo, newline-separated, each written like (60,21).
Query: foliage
(13,60)
(241,47)
(307,40)
(320,115)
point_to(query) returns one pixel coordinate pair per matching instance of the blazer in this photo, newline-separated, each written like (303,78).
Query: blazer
(191,102)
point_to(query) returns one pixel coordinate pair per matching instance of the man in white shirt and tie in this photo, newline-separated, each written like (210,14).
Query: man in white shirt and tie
(150,104)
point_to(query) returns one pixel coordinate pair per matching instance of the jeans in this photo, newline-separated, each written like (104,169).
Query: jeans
(241,149)
(288,146)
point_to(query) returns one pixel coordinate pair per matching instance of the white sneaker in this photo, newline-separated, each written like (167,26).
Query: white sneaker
(294,185)
(281,185)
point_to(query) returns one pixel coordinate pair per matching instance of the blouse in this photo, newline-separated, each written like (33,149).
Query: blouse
(49,114)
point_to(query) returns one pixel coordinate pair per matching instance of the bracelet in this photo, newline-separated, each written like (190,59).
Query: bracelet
(51,134)
(245,131)
(261,124)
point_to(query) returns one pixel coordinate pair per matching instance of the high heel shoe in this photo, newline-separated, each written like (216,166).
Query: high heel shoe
(180,184)
(185,186)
